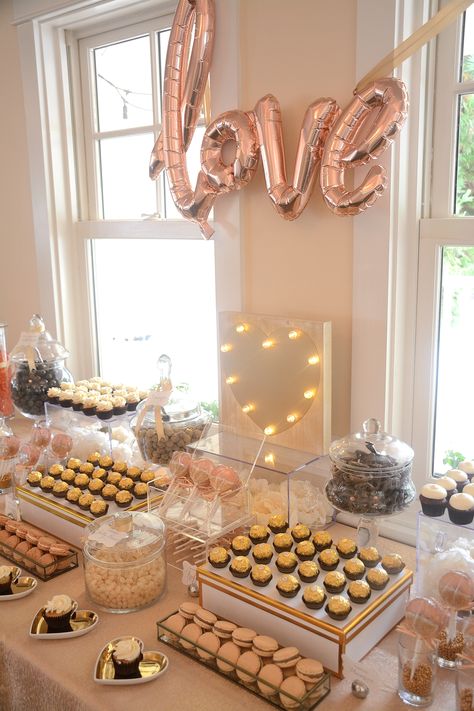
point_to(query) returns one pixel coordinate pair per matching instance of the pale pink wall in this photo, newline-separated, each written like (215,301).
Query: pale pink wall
(19,281)
(299,51)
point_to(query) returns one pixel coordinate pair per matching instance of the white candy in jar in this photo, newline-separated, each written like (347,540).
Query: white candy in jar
(124,588)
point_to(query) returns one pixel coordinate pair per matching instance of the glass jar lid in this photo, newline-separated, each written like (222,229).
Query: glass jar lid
(124,538)
(37,344)
(371,449)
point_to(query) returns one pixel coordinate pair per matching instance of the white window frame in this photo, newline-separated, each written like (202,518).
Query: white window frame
(397,247)
(439,229)
(61,237)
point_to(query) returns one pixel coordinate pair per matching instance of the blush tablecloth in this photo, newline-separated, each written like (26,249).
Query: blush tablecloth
(57,675)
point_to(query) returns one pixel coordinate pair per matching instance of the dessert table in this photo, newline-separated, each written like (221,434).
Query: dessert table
(57,675)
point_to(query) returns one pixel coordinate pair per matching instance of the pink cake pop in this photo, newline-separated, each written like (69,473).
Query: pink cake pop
(200,471)
(425,617)
(61,445)
(40,436)
(179,464)
(9,446)
(224,478)
(28,454)
(456,590)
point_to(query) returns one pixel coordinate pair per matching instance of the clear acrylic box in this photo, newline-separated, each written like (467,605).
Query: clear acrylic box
(282,480)
(441,546)
(92,434)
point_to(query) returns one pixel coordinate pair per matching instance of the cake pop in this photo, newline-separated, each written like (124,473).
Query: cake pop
(456,590)
(200,471)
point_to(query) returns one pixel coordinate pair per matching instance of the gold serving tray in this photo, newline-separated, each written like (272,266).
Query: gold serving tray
(151,666)
(310,700)
(82,622)
(22,586)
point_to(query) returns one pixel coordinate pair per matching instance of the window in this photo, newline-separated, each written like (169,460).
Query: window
(148,296)
(112,251)
(444,381)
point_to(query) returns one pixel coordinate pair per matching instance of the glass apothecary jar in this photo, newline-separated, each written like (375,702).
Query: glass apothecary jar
(124,561)
(371,473)
(183,422)
(37,364)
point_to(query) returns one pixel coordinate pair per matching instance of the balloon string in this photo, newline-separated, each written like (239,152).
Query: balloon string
(414,42)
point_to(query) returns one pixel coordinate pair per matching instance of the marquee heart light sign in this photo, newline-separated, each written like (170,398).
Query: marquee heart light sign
(331,140)
(274,377)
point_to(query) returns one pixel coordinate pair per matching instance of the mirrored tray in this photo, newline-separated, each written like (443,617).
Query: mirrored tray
(314,694)
(82,622)
(152,665)
(23,585)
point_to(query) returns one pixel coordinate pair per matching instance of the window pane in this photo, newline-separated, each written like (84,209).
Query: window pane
(455,383)
(153,297)
(465,157)
(468,46)
(127,191)
(123,85)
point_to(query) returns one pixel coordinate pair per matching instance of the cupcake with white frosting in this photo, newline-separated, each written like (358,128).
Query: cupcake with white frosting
(119,404)
(433,499)
(90,404)
(469,489)
(65,399)
(133,398)
(467,466)
(104,409)
(58,612)
(448,484)
(459,477)
(78,400)
(126,658)
(53,395)
(8,575)
(461,508)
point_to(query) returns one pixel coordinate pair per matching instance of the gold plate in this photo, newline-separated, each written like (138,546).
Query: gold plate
(22,586)
(82,622)
(152,665)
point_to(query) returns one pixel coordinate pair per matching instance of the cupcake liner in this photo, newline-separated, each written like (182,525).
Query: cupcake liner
(259,583)
(358,600)
(127,670)
(6,587)
(315,605)
(459,516)
(104,415)
(60,623)
(308,579)
(283,593)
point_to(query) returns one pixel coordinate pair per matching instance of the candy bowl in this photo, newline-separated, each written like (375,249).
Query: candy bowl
(124,561)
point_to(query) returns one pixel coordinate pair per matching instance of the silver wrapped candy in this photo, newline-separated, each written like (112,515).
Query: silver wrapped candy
(359,689)
(193,589)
